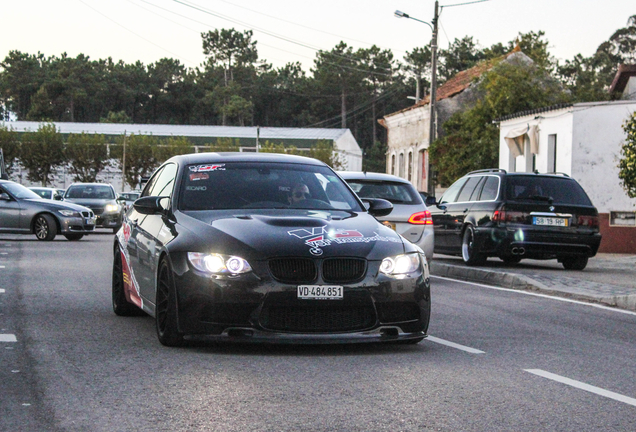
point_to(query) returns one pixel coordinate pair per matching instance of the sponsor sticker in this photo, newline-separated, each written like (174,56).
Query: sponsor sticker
(199,176)
(206,168)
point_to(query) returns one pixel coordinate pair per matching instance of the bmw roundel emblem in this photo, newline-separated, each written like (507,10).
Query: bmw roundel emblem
(315,251)
(551,208)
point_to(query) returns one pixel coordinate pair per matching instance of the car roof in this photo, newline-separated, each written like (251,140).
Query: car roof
(501,173)
(195,158)
(374,176)
(91,184)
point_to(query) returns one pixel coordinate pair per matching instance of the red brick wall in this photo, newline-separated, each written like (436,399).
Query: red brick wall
(616,239)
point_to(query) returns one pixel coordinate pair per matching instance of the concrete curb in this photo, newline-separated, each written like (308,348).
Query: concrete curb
(525,283)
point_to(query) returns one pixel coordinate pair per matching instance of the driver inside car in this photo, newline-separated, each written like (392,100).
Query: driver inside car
(299,193)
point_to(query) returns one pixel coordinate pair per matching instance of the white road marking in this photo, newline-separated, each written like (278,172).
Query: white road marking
(583,386)
(8,338)
(1,290)
(454,345)
(1,266)
(608,308)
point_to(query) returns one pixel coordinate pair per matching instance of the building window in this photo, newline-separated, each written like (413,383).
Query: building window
(393,164)
(552,153)
(401,165)
(410,166)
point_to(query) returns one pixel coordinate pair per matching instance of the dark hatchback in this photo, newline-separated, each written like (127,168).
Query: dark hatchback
(270,248)
(515,216)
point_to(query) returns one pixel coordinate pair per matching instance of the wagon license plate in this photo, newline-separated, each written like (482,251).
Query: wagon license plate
(550,221)
(320,292)
(89,221)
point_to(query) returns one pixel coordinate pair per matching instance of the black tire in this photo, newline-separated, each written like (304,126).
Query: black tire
(511,259)
(121,306)
(469,253)
(73,236)
(166,308)
(45,227)
(574,263)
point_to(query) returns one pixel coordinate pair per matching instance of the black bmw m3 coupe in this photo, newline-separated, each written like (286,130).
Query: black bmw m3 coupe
(266,248)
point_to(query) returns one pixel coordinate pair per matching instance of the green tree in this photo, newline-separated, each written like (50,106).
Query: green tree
(418,63)
(627,163)
(471,140)
(324,152)
(375,158)
(140,160)
(42,152)
(87,155)
(172,146)
(10,147)
(461,55)
(21,77)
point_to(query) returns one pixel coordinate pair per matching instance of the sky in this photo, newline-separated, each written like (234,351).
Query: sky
(293,31)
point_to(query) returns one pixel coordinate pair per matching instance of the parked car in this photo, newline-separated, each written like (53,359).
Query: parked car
(127,199)
(102,199)
(515,216)
(253,247)
(22,211)
(410,216)
(49,193)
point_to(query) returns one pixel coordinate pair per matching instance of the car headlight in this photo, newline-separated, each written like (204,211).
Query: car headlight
(400,264)
(111,208)
(218,264)
(69,213)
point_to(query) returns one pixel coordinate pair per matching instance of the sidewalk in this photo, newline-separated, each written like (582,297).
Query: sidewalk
(609,279)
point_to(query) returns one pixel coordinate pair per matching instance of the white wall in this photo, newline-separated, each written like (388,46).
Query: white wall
(589,138)
(596,143)
(349,150)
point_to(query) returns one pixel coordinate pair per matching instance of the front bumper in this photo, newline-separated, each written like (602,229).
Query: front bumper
(109,220)
(70,225)
(255,308)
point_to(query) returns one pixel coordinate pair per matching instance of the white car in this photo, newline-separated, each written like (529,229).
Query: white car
(410,216)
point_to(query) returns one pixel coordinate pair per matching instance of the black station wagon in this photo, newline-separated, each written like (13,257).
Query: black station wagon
(515,216)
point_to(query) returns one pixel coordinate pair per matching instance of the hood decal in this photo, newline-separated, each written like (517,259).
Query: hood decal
(319,237)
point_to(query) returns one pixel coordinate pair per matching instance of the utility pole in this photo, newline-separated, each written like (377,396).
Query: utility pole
(258,132)
(123,166)
(433,117)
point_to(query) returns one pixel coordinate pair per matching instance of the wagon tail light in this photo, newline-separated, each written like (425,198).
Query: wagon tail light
(502,215)
(421,218)
(587,221)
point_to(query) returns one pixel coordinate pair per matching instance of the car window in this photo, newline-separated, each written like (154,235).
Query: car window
(235,185)
(477,191)
(490,189)
(90,192)
(395,192)
(467,189)
(19,191)
(535,188)
(451,193)
(164,181)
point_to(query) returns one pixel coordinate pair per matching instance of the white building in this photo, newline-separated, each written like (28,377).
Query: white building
(344,144)
(583,141)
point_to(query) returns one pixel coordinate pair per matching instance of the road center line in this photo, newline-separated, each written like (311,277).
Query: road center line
(608,308)
(583,386)
(454,345)
(8,338)
(2,291)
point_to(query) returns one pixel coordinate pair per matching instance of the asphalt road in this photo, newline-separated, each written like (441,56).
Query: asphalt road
(497,360)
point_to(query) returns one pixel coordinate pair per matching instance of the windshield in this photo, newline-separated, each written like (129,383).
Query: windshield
(90,192)
(240,185)
(555,189)
(19,191)
(396,193)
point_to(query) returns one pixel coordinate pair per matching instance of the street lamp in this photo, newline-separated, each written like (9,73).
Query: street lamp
(430,187)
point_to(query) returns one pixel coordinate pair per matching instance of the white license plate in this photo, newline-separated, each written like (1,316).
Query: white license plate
(90,221)
(550,221)
(320,292)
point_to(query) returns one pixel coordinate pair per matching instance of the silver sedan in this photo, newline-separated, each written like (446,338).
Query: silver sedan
(410,216)
(22,211)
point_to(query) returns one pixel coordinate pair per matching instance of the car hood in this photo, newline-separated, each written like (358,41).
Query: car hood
(90,203)
(300,233)
(57,205)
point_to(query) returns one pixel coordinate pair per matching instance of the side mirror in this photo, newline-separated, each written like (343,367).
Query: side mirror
(5,197)
(149,205)
(57,197)
(378,207)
